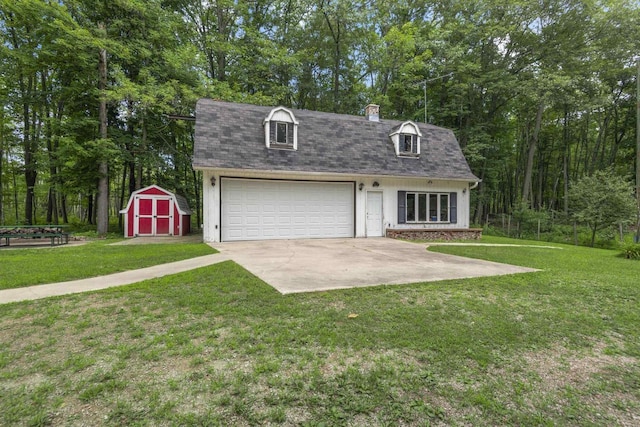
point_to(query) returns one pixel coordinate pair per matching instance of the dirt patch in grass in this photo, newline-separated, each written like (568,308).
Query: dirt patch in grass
(553,377)
(559,367)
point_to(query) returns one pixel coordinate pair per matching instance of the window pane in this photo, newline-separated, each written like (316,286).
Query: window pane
(422,207)
(281,134)
(405,145)
(444,207)
(433,207)
(414,144)
(411,207)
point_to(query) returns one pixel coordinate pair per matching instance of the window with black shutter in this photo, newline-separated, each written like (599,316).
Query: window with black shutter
(423,207)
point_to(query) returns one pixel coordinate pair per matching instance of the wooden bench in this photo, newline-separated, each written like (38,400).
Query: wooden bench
(55,233)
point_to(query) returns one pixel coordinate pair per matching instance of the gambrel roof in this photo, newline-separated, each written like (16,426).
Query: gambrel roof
(232,136)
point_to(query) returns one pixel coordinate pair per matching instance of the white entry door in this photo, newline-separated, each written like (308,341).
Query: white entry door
(374,214)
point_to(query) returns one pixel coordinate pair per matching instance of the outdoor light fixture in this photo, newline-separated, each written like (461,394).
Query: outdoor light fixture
(376,184)
(360,186)
(213,181)
(464,191)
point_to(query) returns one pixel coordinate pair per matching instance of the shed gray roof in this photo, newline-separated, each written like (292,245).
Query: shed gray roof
(231,136)
(183,205)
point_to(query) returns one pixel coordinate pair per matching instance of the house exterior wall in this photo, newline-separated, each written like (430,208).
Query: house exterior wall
(389,187)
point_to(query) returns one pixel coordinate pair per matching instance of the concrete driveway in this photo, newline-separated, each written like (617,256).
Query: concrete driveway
(293,266)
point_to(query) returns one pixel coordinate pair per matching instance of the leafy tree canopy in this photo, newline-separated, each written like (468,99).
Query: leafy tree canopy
(602,200)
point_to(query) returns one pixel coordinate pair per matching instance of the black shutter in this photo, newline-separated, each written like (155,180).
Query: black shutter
(453,208)
(402,210)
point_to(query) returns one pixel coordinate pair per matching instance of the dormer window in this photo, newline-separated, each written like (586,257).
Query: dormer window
(281,132)
(409,143)
(406,139)
(281,129)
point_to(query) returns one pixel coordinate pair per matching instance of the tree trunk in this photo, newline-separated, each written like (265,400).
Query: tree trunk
(63,208)
(336,72)
(1,163)
(15,193)
(1,185)
(90,208)
(131,165)
(176,158)
(30,172)
(477,215)
(52,205)
(336,34)
(122,188)
(102,214)
(528,173)
(2,154)
(565,161)
(94,218)
(221,57)
(142,150)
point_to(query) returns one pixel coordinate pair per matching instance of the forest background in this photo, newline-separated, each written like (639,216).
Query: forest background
(96,95)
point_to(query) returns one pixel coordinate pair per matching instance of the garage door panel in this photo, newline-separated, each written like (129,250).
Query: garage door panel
(283,233)
(264,209)
(284,221)
(253,220)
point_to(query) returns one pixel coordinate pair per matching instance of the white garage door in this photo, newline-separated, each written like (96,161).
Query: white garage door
(261,209)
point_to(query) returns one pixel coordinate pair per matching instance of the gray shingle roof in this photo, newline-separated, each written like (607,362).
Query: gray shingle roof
(231,136)
(183,204)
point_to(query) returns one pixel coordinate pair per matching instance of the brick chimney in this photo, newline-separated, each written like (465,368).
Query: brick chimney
(372,112)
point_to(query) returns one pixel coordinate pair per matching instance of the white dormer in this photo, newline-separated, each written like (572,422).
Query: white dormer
(406,139)
(281,129)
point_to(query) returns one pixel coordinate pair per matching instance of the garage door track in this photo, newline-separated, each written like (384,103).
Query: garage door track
(293,266)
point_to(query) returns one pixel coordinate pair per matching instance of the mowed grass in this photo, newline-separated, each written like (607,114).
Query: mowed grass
(26,267)
(217,346)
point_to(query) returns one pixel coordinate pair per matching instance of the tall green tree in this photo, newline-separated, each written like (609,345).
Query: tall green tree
(602,200)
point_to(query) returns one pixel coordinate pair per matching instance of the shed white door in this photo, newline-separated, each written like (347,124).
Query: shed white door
(374,213)
(255,209)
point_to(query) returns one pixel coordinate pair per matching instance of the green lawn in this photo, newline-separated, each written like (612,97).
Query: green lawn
(26,267)
(217,346)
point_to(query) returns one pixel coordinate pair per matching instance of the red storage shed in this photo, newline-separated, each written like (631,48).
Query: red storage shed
(154,211)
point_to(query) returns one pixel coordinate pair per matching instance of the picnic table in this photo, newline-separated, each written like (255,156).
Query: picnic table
(56,233)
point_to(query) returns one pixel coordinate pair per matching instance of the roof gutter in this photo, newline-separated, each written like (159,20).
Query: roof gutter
(257,173)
